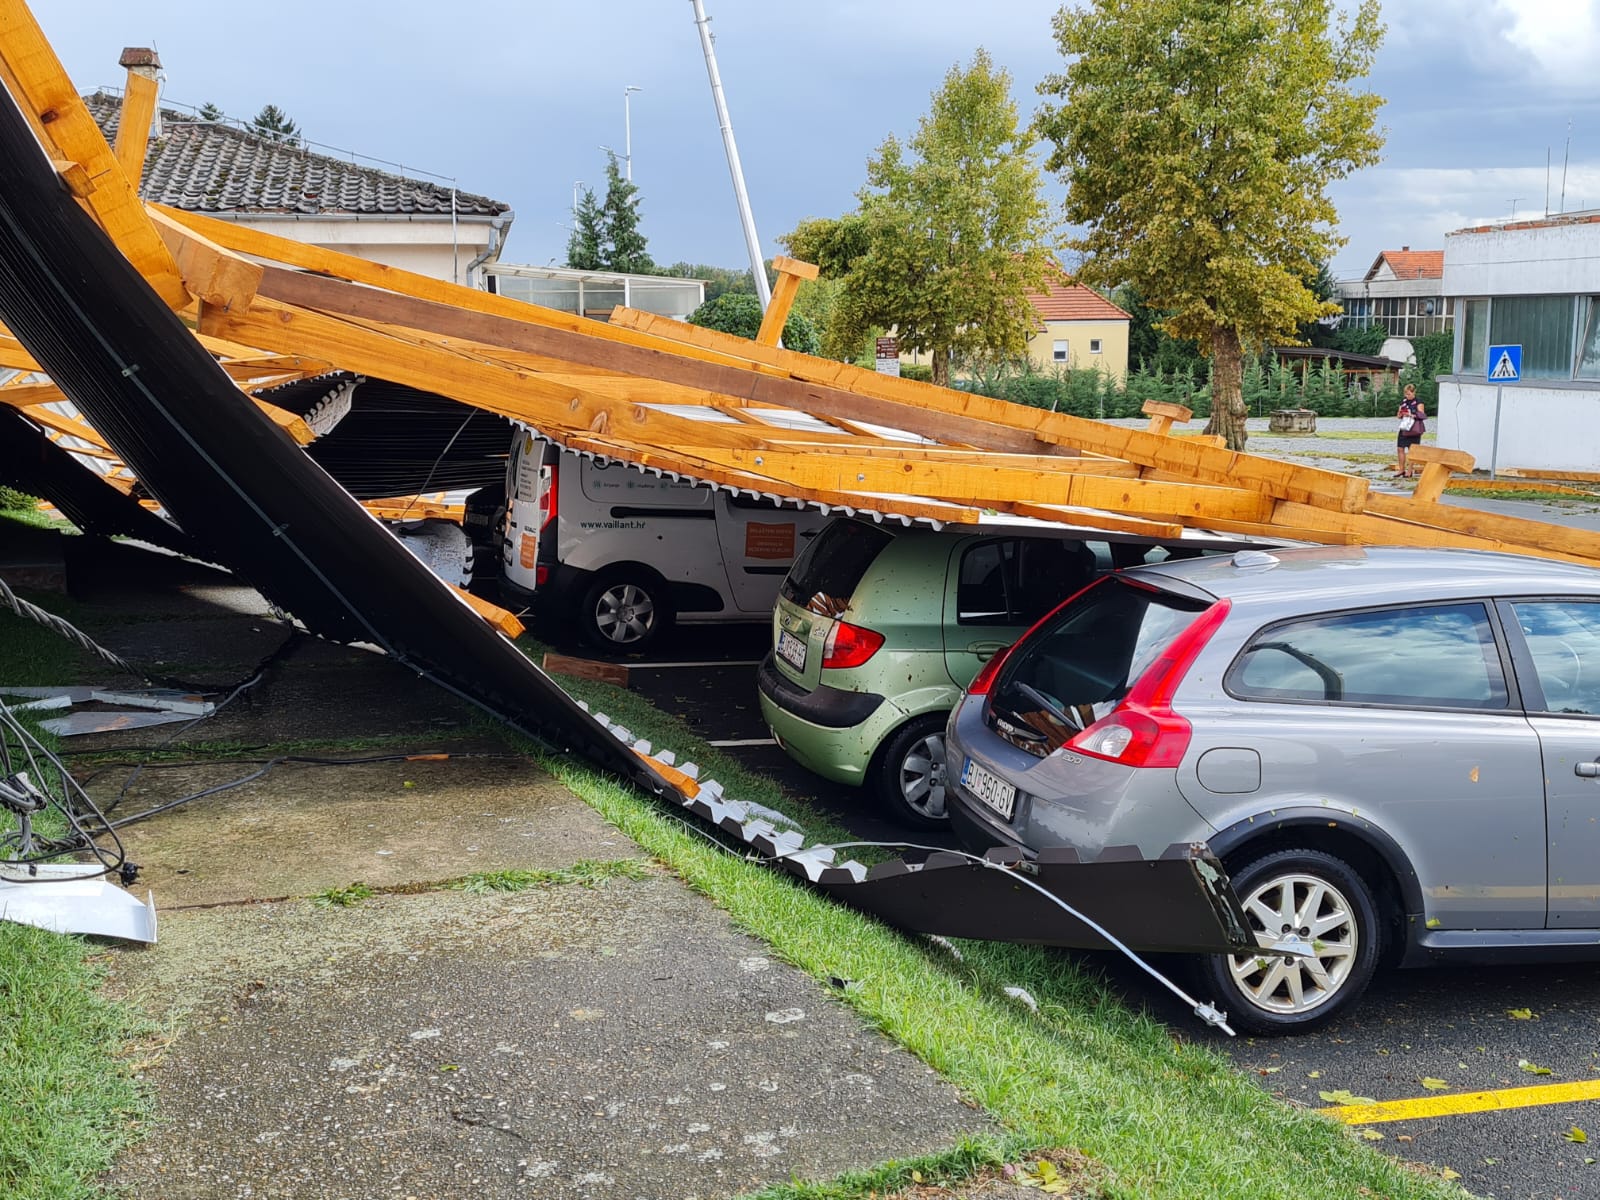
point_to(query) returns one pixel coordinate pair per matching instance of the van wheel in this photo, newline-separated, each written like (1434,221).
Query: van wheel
(624,610)
(909,779)
(1305,895)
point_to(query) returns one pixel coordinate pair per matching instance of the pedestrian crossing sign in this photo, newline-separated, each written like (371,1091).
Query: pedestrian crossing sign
(1505,364)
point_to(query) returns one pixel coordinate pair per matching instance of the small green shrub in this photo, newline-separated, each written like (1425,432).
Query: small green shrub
(12,500)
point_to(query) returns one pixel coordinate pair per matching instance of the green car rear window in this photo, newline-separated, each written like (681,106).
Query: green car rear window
(827,571)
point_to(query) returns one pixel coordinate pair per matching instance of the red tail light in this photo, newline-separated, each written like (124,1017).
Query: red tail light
(985,678)
(849,645)
(549,495)
(1143,731)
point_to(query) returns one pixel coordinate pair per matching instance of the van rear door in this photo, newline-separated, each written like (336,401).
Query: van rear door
(759,543)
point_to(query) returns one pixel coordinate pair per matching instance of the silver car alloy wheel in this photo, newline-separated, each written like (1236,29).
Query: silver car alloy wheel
(624,613)
(922,776)
(1304,908)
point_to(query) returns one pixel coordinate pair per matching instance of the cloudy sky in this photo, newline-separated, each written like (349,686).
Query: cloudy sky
(514,98)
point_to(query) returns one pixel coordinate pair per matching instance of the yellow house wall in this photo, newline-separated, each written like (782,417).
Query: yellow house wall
(1113,356)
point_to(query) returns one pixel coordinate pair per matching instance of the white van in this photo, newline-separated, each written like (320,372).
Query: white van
(626,553)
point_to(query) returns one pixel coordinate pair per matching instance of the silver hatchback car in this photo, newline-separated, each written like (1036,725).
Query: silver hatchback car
(1396,753)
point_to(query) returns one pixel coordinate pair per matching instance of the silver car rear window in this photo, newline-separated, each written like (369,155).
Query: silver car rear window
(1076,668)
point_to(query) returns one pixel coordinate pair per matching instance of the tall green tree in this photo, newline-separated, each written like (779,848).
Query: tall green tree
(274,124)
(1198,139)
(210,112)
(952,232)
(586,242)
(624,246)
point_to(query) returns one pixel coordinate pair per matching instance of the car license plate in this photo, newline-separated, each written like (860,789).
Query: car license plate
(792,649)
(990,788)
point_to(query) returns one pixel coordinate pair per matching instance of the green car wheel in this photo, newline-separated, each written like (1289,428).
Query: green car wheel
(910,773)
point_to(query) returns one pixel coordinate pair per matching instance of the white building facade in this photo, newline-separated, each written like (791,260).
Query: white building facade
(1533,284)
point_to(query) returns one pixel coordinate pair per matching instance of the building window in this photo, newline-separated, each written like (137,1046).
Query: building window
(1059,351)
(1558,334)
(1474,335)
(1094,345)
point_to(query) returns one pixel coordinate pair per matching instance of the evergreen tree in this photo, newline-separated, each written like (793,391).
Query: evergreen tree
(274,124)
(623,247)
(210,112)
(585,245)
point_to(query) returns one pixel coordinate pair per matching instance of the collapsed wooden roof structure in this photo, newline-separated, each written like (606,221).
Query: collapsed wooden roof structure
(660,394)
(166,332)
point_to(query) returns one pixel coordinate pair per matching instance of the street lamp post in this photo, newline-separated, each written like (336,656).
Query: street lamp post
(627,129)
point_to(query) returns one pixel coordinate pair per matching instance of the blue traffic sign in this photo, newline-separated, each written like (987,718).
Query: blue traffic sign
(1505,364)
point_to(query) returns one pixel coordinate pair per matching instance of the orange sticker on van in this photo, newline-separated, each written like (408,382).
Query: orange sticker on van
(768,541)
(528,550)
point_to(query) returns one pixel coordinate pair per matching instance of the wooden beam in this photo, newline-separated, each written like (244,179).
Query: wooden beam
(502,619)
(791,271)
(1438,466)
(216,276)
(1095,519)
(1518,535)
(333,296)
(14,357)
(334,265)
(75,178)
(1554,474)
(986,486)
(1163,415)
(393,356)
(1187,455)
(715,472)
(138,107)
(414,508)
(45,93)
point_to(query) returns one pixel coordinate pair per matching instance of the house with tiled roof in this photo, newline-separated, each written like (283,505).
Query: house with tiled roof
(1078,328)
(227,170)
(1402,293)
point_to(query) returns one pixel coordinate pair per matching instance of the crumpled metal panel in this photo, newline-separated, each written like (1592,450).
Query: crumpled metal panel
(255,502)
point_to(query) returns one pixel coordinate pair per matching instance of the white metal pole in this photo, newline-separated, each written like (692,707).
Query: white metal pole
(627,130)
(752,241)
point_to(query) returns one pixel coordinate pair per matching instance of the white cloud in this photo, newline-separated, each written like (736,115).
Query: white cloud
(1562,37)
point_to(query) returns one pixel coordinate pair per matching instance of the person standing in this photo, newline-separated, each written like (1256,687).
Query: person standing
(1413,424)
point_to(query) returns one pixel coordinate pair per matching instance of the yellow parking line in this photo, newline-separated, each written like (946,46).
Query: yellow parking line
(1463,1102)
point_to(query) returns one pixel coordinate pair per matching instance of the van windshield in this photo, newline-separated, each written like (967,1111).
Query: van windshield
(1074,670)
(827,571)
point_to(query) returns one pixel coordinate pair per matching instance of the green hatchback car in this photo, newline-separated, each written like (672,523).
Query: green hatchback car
(878,630)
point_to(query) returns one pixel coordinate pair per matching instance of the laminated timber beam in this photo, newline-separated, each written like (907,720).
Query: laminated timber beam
(308,292)
(1389,523)
(519,395)
(1191,456)
(986,486)
(336,266)
(138,107)
(924,507)
(791,273)
(45,95)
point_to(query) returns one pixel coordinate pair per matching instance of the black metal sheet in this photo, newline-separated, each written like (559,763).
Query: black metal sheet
(246,494)
(1179,902)
(34,464)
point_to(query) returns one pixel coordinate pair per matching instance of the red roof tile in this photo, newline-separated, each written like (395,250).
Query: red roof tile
(1063,300)
(1412,264)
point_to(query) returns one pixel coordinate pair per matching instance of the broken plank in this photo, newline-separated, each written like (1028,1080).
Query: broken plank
(46,95)
(615,674)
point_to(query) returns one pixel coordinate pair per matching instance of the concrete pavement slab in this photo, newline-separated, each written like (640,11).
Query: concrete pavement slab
(559,1043)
